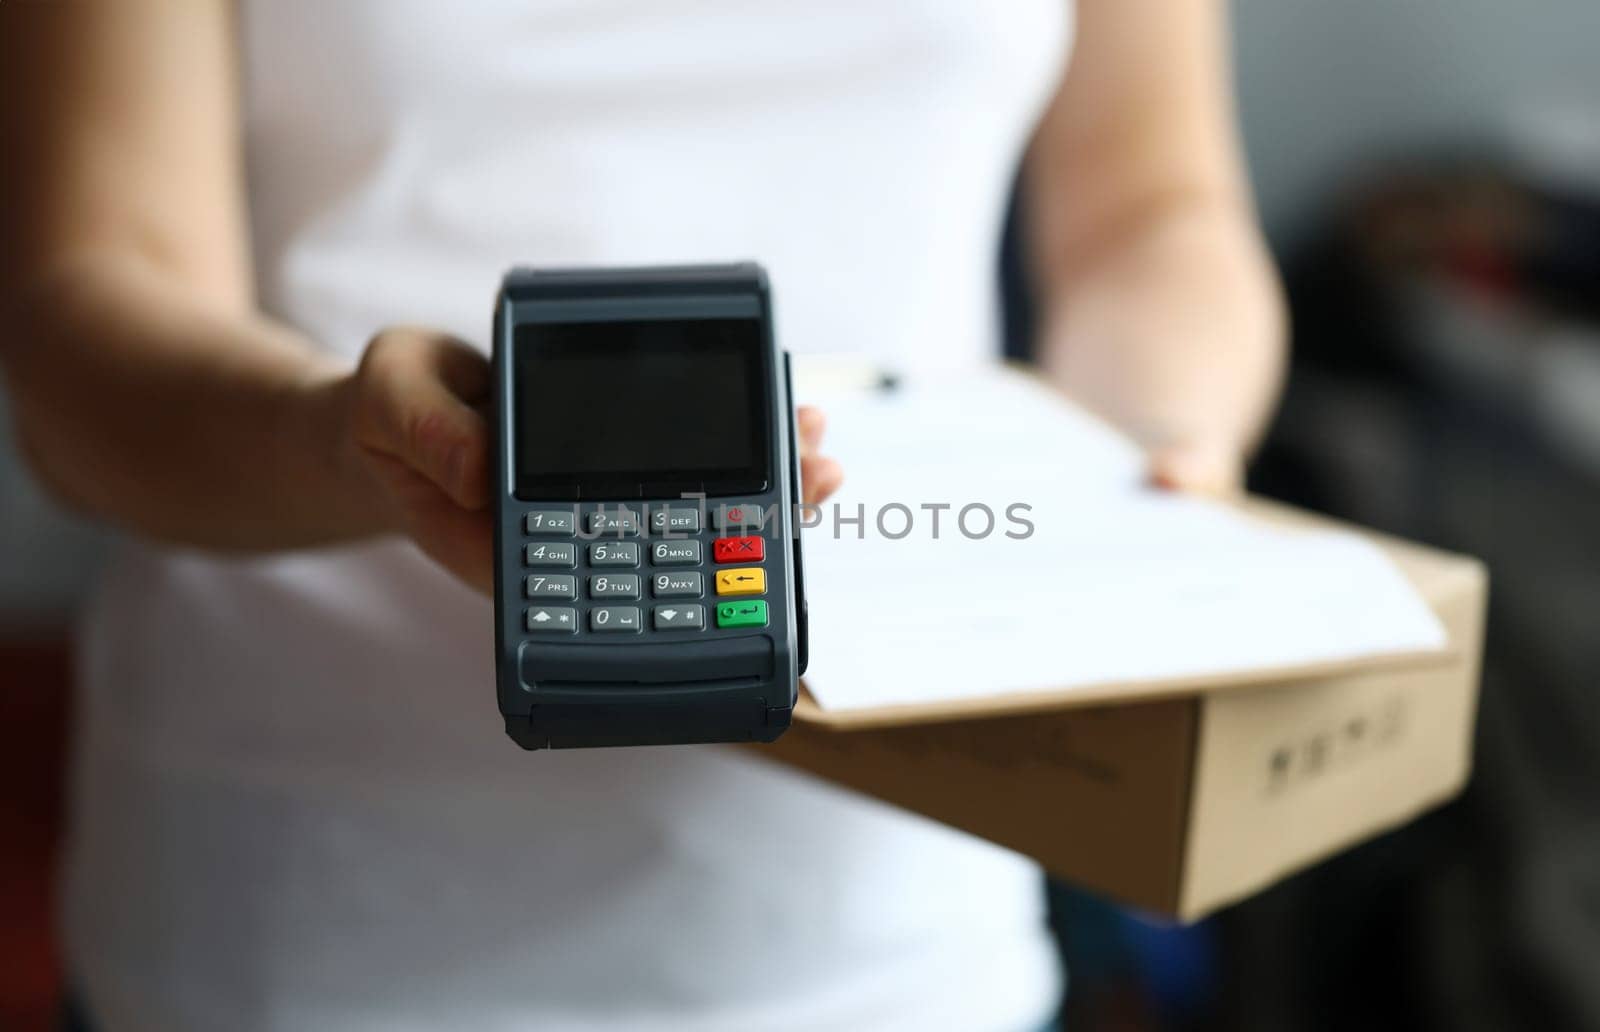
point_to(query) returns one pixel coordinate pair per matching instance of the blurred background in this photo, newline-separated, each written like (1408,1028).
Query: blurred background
(1429,174)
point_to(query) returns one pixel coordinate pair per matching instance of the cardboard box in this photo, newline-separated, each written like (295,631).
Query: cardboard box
(1182,797)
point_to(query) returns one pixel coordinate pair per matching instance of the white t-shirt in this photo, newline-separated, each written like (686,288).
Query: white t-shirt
(296,807)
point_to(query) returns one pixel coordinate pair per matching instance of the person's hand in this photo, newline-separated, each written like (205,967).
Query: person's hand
(820,476)
(416,419)
(1197,468)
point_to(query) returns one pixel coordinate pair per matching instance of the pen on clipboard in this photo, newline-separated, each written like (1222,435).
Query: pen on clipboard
(823,375)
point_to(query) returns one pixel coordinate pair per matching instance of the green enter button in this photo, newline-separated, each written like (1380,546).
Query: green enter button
(742,614)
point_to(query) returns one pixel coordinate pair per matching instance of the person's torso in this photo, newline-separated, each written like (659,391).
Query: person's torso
(296,808)
(404,153)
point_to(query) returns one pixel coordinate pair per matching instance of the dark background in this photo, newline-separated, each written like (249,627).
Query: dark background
(1429,174)
(1430,178)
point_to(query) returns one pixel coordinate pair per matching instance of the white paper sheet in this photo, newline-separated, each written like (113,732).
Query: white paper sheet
(1115,582)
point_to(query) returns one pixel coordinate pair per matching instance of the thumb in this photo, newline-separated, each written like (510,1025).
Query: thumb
(416,391)
(1197,469)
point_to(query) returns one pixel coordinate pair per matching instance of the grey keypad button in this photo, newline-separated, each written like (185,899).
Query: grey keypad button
(675,553)
(677,585)
(557,619)
(544,585)
(614,553)
(674,521)
(550,553)
(618,522)
(607,619)
(736,516)
(614,585)
(556,522)
(680,618)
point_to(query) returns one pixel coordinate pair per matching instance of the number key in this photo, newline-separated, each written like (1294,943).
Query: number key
(675,521)
(675,553)
(617,522)
(556,522)
(550,553)
(615,618)
(614,553)
(677,585)
(541,585)
(614,585)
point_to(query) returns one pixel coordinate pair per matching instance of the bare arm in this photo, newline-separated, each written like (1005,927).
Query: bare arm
(146,387)
(146,390)
(1161,307)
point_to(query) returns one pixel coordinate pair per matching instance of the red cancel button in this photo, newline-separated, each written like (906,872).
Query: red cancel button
(750,549)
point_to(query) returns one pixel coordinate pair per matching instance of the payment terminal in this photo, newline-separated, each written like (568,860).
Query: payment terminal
(647,571)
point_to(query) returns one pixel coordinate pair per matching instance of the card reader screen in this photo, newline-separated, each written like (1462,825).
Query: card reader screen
(662,405)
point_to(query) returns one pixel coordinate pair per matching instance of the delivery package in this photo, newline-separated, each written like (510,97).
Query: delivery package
(1168,701)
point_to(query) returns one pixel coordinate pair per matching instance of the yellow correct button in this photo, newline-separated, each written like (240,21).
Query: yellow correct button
(744,580)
